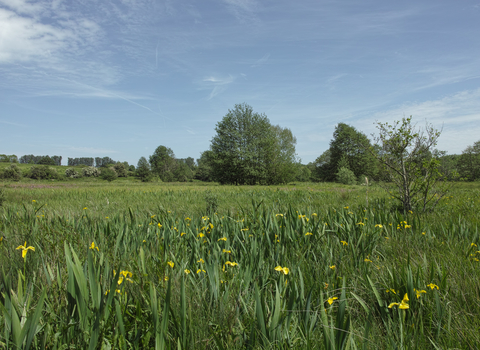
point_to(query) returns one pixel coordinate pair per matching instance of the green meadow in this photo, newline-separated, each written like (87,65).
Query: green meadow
(130,265)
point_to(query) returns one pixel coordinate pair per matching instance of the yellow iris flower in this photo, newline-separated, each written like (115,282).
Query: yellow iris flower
(25,249)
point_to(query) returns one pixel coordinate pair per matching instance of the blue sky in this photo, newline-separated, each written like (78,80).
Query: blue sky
(89,78)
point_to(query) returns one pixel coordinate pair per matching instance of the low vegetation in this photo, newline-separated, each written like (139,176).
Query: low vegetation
(194,266)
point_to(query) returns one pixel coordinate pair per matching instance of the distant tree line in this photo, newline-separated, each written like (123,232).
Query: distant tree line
(43,160)
(8,158)
(97,162)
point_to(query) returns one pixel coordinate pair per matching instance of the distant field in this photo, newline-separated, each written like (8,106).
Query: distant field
(193,265)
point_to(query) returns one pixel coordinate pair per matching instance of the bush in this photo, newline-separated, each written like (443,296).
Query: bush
(120,169)
(346,176)
(90,171)
(42,173)
(72,173)
(108,174)
(12,172)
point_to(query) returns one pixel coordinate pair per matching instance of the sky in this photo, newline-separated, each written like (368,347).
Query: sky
(118,78)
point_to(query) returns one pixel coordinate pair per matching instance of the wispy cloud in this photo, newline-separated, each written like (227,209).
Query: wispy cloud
(457,114)
(217,84)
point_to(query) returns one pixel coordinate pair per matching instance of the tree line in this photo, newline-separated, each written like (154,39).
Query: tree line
(247,150)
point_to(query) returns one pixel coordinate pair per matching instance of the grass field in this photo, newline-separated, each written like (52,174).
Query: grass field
(194,266)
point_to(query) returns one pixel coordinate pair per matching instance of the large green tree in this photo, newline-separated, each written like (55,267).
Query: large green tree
(469,163)
(247,149)
(163,163)
(351,145)
(143,170)
(283,165)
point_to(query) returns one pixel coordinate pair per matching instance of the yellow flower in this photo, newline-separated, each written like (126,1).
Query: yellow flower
(308,234)
(201,261)
(152,216)
(473,245)
(125,274)
(222,239)
(423,233)
(333,267)
(367,260)
(159,225)
(432,286)
(187,271)
(391,290)
(85,208)
(171,264)
(403,305)
(165,278)
(361,223)
(92,246)
(344,243)
(201,235)
(226,251)
(283,270)
(345,207)
(419,292)
(25,249)
(34,201)
(229,263)
(182,234)
(200,270)
(330,300)
(279,215)
(379,225)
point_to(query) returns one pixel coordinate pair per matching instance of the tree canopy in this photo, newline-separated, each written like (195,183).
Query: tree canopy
(247,149)
(348,149)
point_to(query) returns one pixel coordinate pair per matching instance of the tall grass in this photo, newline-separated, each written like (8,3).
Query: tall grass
(305,267)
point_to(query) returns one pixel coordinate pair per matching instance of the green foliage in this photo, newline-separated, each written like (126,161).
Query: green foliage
(304,174)
(72,173)
(90,171)
(163,163)
(469,163)
(46,161)
(8,158)
(348,148)
(346,176)
(407,156)
(42,172)
(204,171)
(247,149)
(120,169)
(12,172)
(143,170)
(108,174)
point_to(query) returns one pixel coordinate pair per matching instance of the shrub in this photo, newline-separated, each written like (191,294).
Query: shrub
(90,171)
(346,176)
(72,173)
(42,173)
(12,172)
(108,174)
(120,169)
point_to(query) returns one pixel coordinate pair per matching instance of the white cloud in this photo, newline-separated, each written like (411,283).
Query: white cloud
(458,115)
